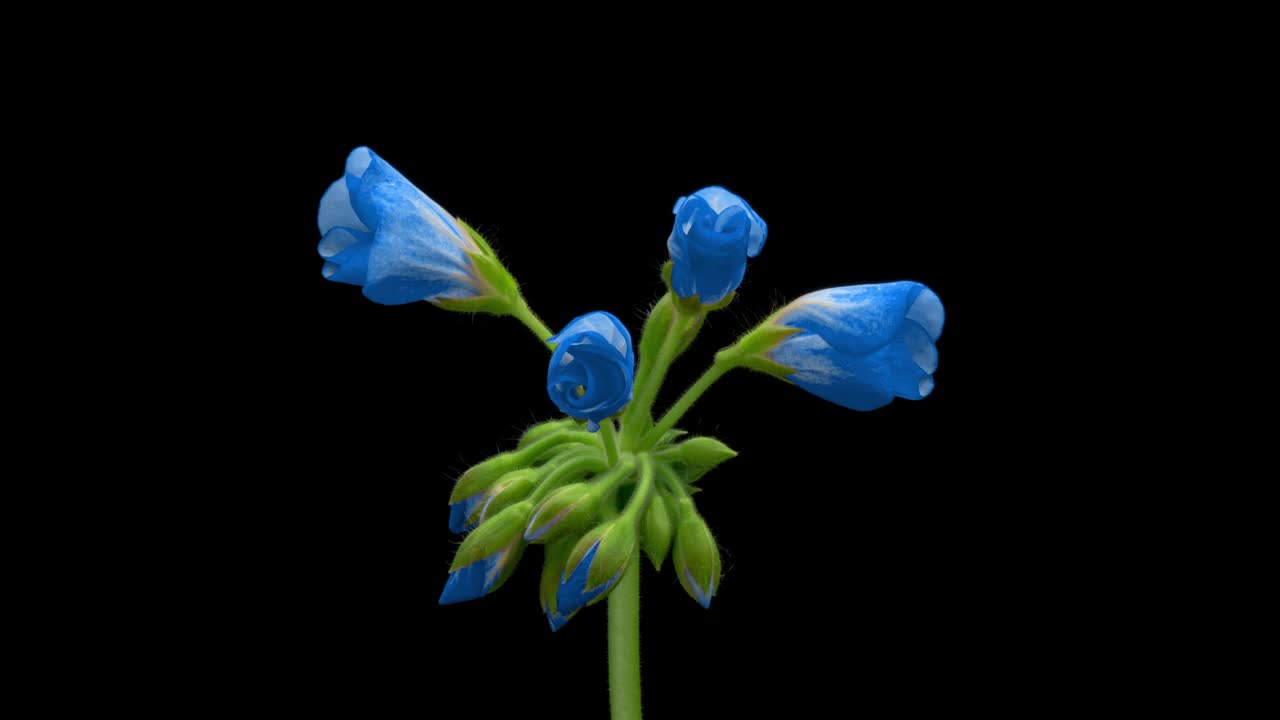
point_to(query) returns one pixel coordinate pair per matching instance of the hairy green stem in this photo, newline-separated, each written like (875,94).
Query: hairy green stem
(624,616)
(685,402)
(609,437)
(525,314)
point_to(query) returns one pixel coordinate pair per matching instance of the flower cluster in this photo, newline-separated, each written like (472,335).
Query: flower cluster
(610,481)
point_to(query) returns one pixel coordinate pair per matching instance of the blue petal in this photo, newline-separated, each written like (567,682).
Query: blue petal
(350,266)
(419,252)
(602,323)
(588,360)
(460,511)
(335,209)
(557,620)
(573,594)
(703,596)
(708,249)
(719,199)
(855,319)
(474,580)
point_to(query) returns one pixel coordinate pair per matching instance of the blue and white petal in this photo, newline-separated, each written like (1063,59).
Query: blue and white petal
(384,234)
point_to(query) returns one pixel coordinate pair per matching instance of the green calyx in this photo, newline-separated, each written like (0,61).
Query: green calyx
(751,350)
(499,291)
(696,556)
(501,531)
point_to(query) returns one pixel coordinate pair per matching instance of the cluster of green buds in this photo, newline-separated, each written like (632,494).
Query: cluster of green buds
(590,507)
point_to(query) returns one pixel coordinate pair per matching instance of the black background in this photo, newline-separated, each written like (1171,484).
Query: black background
(868,557)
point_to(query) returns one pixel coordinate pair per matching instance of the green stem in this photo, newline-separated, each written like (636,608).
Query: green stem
(685,402)
(609,436)
(624,616)
(647,387)
(624,645)
(525,314)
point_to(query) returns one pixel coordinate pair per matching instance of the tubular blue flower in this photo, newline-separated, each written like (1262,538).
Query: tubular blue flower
(593,368)
(714,234)
(381,232)
(862,345)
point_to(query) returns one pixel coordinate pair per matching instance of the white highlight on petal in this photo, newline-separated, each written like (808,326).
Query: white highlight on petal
(329,269)
(604,326)
(358,161)
(927,310)
(336,210)
(811,357)
(336,241)
(923,352)
(926,386)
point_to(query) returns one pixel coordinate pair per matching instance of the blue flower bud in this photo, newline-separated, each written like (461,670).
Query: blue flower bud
(596,565)
(552,571)
(862,345)
(487,556)
(461,511)
(715,232)
(697,558)
(592,370)
(381,232)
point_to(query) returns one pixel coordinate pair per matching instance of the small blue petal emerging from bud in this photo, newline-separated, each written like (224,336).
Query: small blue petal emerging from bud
(863,344)
(714,234)
(557,620)
(381,232)
(574,593)
(477,579)
(460,511)
(591,372)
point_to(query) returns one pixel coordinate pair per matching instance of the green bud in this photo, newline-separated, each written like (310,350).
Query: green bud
(697,558)
(658,529)
(694,457)
(510,488)
(482,476)
(541,430)
(503,530)
(617,544)
(553,562)
(570,508)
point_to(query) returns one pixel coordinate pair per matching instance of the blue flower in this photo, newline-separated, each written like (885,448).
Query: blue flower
(591,372)
(381,232)
(460,511)
(714,234)
(862,345)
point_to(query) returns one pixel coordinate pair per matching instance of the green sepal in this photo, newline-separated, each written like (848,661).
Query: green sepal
(617,540)
(510,488)
(670,436)
(553,564)
(763,364)
(760,340)
(566,510)
(724,302)
(696,556)
(666,275)
(483,304)
(541,430)
(479,239)
(504,530)
(659,528)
